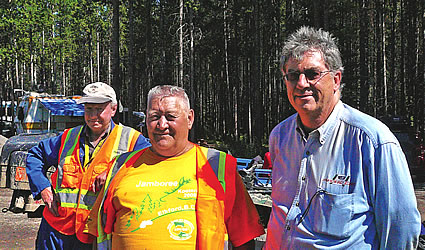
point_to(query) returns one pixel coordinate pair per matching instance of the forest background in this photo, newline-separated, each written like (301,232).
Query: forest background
(224,53)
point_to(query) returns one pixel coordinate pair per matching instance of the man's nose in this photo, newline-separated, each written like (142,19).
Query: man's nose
(302,82)
(162,123)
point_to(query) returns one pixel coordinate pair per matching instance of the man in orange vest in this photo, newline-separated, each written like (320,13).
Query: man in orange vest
(174,194)
(81,156)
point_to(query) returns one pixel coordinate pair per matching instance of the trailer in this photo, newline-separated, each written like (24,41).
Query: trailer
(38,116)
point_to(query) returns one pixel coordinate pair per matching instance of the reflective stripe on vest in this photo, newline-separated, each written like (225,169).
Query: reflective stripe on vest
(119,162)
(121,145)
(217,160)
(68,196)
(67,148)
(104,241)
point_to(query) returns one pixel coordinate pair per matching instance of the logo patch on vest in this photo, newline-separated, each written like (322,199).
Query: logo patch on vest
(180,229)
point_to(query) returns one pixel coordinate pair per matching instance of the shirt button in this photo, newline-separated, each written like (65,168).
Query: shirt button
(297,204)
(307,153)
(288,228)
(303,178)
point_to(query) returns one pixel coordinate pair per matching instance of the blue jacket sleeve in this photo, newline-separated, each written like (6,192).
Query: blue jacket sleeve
(141,143)
(39,159)
(398,220)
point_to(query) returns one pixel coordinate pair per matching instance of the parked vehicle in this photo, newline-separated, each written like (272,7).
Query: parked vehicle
(258,182)
(38,116)
(411,142)
(6,118)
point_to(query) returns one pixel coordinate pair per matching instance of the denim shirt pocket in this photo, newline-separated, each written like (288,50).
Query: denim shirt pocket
(331,214)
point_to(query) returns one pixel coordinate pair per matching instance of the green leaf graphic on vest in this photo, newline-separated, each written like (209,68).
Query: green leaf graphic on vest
(178,224)
(181,234)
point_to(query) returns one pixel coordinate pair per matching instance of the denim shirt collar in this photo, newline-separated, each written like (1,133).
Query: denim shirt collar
(322,132)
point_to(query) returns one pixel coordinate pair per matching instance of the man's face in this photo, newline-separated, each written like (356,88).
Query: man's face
(313,98)
(98,116)
(168,123)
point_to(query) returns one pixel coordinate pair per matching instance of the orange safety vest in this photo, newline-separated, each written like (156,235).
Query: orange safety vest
(211,198)
(71,182)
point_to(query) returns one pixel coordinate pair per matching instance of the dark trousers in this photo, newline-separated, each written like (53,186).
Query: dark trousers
(49,238)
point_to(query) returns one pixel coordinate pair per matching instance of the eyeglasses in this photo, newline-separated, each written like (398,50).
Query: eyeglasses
(312,76)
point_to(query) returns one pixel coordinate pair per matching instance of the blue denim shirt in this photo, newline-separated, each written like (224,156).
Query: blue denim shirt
(344,185)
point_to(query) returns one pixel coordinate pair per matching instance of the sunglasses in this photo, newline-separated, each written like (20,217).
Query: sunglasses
(311,75)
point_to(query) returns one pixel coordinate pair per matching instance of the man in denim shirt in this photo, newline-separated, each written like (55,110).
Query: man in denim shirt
(340,178)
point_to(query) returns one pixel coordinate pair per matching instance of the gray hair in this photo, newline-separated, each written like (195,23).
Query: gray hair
(311,39)
(166,91)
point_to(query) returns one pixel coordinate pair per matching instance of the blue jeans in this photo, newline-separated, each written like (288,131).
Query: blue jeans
(50,238)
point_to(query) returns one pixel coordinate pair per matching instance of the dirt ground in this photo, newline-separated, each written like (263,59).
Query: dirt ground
(17,231)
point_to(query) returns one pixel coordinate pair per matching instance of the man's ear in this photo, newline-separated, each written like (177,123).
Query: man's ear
(337,80)
(191,118)
(114,109)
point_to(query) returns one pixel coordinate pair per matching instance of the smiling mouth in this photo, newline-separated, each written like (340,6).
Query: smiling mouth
(161,134)
(303,96)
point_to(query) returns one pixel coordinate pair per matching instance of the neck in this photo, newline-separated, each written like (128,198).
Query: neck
(312,121)
(95,137)
(165,154)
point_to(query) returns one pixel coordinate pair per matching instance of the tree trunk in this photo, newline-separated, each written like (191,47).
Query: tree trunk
(131,62)
(192,70)
(421,70)
(364,71)
(116,83)
(181,44)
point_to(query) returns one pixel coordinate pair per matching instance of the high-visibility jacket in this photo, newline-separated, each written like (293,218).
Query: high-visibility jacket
(71,182)
(210,213)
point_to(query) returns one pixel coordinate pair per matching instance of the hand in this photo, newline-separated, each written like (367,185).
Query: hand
(50,200)
(99,181)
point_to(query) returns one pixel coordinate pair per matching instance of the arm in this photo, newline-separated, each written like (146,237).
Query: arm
(51,200)
(91,225)
(99,181)
(243,222)
(40,157)
(397,217)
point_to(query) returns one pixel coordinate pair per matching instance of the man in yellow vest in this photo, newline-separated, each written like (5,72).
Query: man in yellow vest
(175,194)
(81,156)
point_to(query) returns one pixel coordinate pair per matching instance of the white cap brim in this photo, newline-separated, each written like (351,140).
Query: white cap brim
(93,99)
